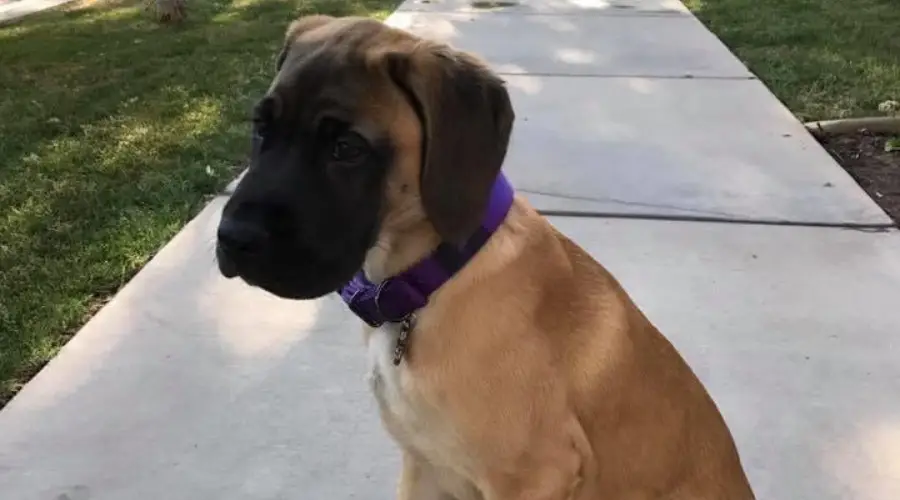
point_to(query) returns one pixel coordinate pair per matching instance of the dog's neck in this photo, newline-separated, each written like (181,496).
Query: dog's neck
(406,267)
(398,250)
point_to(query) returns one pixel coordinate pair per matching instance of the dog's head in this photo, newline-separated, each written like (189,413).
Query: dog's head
(364,127)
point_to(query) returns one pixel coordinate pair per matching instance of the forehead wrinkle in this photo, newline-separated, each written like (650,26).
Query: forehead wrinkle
(339,69)
(321,85)
(373,112)
(341,96)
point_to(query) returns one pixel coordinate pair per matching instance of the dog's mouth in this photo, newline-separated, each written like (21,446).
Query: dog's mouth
(304,276)
(226,266)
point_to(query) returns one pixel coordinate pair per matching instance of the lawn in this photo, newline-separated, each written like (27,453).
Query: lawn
(115,130)
(823,58)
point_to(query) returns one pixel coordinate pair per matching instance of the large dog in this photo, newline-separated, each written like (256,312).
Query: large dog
(507,363)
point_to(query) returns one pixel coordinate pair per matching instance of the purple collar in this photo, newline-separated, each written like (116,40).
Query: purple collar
(396,298)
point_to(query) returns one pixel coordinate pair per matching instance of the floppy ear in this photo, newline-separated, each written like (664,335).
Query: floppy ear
(467,120)
(297,28)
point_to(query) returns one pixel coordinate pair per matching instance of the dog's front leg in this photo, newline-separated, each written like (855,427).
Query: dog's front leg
(417,481)
(558,489)
(558,478)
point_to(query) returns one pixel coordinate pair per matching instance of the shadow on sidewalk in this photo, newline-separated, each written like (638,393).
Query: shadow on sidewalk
(115,130)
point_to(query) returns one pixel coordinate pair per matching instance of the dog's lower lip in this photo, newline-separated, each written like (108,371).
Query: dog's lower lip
(226,267)
(227,270)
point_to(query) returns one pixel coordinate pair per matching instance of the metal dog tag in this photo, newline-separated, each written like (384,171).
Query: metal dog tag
(406,327)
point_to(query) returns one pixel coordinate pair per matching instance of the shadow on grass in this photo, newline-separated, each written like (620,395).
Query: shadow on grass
(823,58)
(115,131)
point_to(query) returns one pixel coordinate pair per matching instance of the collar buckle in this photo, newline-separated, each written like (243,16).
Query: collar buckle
(392,301)
(357,305)
(391,293)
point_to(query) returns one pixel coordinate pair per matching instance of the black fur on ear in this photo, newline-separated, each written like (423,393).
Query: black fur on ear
(467,120)
(282,55)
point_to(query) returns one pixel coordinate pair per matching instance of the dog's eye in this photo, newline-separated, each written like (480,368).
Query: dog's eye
(263,116)
(260,128)
(349,148)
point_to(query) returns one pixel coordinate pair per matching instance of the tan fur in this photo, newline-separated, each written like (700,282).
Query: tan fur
(531,375)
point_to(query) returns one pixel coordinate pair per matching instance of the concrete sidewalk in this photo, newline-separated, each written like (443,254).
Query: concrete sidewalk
(187,386)
(15,9)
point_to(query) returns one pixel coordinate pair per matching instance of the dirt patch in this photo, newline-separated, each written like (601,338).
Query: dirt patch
(863,156)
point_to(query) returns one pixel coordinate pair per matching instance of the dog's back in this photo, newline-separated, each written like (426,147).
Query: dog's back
(548,373)
(654,429)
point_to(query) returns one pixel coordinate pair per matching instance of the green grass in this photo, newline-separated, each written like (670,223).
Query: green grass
(114,132)
(823,58)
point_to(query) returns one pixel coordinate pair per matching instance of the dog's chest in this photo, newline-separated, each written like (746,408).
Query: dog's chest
(399,397)
(389,383)
(406,412)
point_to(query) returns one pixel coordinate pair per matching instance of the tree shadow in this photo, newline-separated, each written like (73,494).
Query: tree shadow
(192,386)
(116,129)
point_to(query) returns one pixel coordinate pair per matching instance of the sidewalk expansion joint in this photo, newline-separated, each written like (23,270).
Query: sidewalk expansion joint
(869,227)
(646,13)
(873,227)
(636,75)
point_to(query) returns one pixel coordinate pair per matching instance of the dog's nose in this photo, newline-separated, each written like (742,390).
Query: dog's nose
(241,237)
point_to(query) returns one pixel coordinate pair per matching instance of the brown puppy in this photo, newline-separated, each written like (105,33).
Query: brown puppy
(528,375)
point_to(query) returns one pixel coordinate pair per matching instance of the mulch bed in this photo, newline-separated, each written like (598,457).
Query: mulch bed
(863,156)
